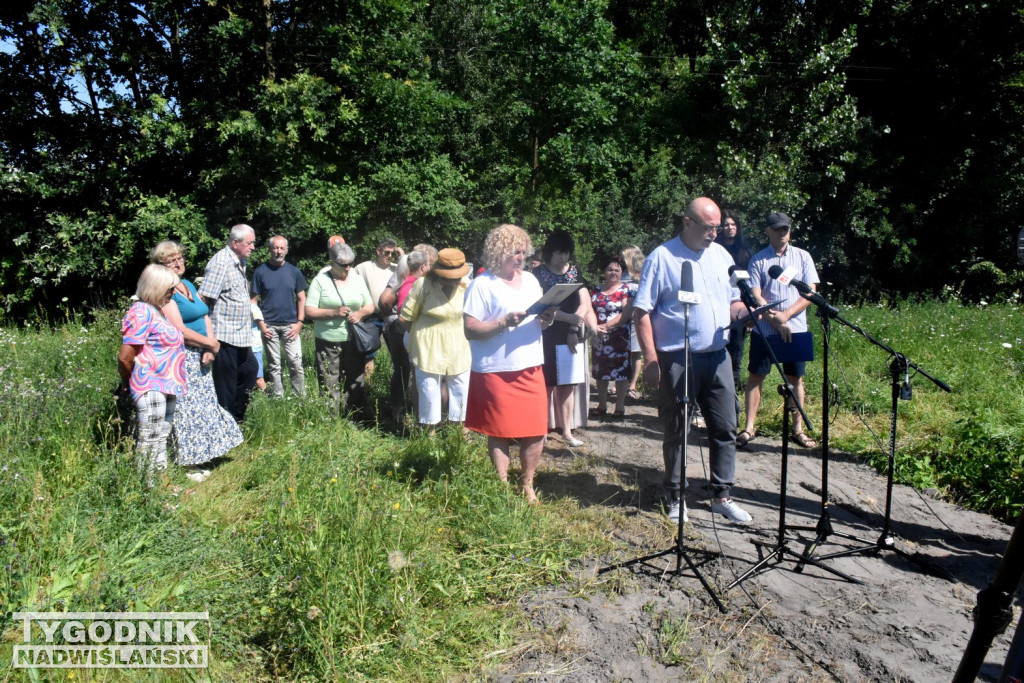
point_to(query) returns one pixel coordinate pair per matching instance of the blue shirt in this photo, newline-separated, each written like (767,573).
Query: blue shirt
(773,290)
(658,294)
(194,312)
(276,286)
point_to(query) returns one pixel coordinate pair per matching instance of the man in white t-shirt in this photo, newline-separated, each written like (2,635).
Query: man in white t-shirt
(376,273)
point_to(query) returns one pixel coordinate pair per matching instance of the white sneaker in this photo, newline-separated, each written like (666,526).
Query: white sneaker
(198,476)
(733,512)
(673,512)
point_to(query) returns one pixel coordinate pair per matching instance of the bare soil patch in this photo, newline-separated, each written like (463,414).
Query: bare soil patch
(909,621)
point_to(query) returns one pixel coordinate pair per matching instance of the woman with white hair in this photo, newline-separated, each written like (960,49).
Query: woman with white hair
(334,299)
(151,363)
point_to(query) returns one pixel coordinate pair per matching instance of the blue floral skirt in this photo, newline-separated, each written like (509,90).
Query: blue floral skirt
(203,430)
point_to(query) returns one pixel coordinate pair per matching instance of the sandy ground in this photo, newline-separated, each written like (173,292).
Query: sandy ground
(909,619)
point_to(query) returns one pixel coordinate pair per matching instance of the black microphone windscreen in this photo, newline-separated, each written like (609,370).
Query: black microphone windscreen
(732,269)
(775,271)
(686,278)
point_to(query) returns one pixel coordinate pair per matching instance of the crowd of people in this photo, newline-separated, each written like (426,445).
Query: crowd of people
(476,351)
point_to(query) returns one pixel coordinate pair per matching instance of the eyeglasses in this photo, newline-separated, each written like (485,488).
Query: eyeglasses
(170,292)
(343,265)
(707,228)
(780,228)
(176,259)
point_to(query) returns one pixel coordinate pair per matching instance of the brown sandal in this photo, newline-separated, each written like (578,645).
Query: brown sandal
(803,440)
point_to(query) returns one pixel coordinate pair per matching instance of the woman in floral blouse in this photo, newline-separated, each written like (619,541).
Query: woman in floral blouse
(613,303)
(151,363)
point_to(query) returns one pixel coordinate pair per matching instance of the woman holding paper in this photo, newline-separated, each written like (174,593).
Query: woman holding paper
(613,303)
(564,351)
(506,377)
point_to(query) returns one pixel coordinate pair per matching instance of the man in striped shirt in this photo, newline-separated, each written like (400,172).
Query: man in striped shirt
(784,320)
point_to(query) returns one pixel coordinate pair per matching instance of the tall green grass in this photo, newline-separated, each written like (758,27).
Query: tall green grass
(324,550)
(970,442)
(321,550)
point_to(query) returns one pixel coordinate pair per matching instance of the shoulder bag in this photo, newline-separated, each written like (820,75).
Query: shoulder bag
(366,336)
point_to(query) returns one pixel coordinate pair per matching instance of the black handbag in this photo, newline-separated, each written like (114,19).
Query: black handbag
(364,335)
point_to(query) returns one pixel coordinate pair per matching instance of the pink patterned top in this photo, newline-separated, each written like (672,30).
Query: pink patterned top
(160,363)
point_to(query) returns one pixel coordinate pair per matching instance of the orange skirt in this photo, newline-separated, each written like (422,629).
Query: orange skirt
(508,405)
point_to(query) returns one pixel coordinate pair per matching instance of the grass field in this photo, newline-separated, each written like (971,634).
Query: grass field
(322,550)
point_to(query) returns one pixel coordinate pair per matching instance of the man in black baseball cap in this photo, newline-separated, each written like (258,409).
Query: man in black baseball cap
(784,319)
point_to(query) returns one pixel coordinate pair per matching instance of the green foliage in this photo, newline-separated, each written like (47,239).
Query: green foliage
(438,120)
(982,461)
(982,281)
(418,201)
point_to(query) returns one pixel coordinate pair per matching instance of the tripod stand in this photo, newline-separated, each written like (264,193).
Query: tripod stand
(781,549)
(899,370)
(824,526)
(679,549)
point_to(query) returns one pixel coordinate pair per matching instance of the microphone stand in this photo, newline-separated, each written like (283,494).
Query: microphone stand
(898,367)
(679,550)
(781,549)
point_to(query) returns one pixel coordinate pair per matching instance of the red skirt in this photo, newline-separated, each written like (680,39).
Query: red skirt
(508,405)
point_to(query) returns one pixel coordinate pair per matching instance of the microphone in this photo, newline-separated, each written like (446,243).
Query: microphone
(741,280)
(686,294)
(786,278)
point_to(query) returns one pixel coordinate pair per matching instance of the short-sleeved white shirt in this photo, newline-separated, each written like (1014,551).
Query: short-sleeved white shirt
(517,348)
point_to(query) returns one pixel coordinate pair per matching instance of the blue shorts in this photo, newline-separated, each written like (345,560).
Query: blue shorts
(760,362)
(259,362)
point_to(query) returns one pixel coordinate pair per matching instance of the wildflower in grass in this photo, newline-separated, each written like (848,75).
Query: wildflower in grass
(313,613)
(397,560)
(397,506)
(1007,345)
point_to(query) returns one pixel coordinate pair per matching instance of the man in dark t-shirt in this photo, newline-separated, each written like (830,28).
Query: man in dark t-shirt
(281,290)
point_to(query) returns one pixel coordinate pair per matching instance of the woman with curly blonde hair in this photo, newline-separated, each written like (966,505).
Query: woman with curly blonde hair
(507,376)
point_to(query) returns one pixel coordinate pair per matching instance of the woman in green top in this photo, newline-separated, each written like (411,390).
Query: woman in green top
(334,299)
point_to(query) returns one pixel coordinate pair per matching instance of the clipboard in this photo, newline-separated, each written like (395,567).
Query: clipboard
(553,297)
(742,322)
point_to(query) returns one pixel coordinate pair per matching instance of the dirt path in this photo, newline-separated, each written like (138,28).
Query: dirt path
(909,621)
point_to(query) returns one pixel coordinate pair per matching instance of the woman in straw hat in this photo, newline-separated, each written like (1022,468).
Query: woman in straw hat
(438,348)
